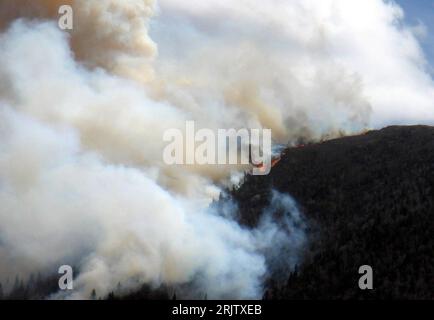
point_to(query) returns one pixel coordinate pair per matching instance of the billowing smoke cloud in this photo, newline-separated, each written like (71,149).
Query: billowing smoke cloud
(108,34)
(83,113)
(322,67)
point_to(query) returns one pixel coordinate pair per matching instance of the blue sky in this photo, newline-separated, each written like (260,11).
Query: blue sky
(423,11)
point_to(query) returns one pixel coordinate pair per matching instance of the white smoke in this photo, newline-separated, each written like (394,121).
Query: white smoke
(82,117)
(317,61)
(282,227)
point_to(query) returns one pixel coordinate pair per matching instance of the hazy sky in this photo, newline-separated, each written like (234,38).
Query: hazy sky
(422,11)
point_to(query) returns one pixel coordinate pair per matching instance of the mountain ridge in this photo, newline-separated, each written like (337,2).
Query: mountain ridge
(370,200)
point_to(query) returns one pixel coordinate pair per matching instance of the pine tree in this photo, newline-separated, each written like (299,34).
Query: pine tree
(93,295)
(16,283)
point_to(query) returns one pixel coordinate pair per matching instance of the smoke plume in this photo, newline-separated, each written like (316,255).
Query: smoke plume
(83,112)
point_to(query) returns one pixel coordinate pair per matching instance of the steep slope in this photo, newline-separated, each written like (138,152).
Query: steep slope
(369,200)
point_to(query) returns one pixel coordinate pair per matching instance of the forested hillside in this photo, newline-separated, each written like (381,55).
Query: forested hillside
(369,200)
